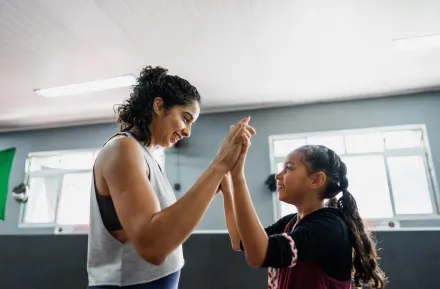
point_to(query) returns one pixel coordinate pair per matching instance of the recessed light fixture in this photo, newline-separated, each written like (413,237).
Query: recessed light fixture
(90,86)
(414,43)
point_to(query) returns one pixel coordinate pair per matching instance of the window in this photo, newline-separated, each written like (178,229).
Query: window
(390,172)
(59,185)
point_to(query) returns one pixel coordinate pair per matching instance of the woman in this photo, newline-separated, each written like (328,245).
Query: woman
(319,247)
(136,225)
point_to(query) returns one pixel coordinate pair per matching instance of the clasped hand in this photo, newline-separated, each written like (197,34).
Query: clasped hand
(233,151)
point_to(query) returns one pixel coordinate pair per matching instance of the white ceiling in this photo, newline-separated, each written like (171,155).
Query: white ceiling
(239,54)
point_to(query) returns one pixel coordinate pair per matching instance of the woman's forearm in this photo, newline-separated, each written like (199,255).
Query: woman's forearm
(184,215)
(231,224)
(252,234)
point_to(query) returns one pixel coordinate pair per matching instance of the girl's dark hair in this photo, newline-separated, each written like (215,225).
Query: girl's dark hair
(365,270)
(137,110)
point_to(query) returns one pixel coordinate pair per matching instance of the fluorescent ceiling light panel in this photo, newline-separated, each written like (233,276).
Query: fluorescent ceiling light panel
(85,87)
(414,43)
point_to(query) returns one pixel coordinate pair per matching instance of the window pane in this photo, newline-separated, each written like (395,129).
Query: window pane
(287,209)
(41,205)
(280,167)
(44,163)
(368,184)
(95,154)
(335,143)
(74,204)
(281,148)
(403,139)
(364,143)
(410,185)
(77,160)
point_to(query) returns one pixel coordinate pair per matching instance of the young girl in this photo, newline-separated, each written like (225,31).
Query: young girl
(320,246)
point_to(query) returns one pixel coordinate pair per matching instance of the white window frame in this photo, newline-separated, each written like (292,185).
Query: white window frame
(74,228)
(425,151)
(60,173)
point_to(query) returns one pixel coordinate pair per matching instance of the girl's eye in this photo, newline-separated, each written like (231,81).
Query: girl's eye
(289,169)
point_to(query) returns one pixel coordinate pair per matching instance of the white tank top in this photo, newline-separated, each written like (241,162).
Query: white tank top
(111,262)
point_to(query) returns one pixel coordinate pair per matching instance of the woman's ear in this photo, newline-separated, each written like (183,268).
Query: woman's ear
(158,106)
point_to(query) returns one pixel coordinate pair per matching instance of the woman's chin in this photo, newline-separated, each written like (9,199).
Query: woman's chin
(168,144)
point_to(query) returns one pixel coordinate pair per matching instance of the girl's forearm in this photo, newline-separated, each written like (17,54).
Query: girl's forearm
(252,234)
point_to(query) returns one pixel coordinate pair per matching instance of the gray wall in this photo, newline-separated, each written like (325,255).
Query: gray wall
(208,133)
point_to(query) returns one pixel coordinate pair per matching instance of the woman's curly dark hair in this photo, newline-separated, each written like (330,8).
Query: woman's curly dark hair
(365,269)
(137,110)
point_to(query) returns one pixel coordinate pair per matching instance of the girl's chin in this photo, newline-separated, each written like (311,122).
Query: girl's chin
(281,196)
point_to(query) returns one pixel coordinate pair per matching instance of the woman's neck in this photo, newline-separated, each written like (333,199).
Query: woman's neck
(151,147)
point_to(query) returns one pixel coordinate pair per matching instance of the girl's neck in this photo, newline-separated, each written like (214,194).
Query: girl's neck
(306,209)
